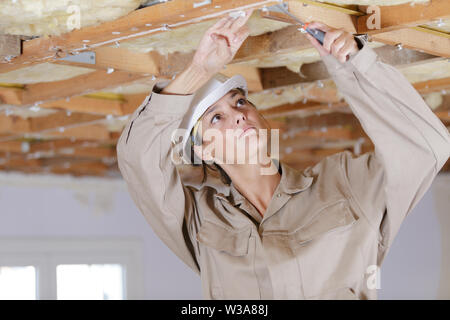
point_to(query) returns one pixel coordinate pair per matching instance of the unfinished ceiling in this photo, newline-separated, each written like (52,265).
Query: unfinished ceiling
(65,116)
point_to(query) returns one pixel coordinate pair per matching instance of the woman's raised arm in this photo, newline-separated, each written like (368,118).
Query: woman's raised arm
(144,148)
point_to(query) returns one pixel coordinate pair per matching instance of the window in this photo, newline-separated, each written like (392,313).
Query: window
(89,281)
(17,283)
(68,269)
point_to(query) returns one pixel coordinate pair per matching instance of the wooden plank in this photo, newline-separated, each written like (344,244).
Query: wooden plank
(123,105)
(139,23)
(11,146)
(60,119)
(14,124)
(56,144)
(87,104)
(285,40)
(435,85)
(125,60)
(433,43)
(10,46)
(251,74)
(309,72)
(11,95)
(94,132)
(329,15)
(82,84)
(74,152)
(399,16)
(444,116)
(416,39)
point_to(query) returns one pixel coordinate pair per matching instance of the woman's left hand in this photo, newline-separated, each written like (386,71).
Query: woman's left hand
(337,42)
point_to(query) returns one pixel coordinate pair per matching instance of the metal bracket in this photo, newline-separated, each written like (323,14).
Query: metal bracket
(276,7)
(82,57)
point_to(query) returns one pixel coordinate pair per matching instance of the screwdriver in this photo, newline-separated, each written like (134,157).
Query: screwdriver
(316,33)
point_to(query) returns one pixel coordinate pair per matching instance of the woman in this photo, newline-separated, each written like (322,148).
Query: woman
(317,234)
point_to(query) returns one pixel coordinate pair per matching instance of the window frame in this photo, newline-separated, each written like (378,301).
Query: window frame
(46,254)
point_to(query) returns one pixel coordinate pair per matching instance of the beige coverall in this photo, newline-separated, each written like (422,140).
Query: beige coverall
(326,229)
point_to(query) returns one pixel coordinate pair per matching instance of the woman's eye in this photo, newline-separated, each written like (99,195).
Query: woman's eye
(215,118)
(240,102)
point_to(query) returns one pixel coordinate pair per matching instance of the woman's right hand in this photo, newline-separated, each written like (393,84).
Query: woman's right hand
(221,42)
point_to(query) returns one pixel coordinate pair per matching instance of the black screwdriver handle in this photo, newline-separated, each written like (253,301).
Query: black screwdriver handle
(316,33)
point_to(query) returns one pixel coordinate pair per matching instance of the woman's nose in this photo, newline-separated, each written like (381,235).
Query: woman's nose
(239,116)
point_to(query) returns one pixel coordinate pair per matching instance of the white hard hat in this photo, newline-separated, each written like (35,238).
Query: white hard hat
(206,96)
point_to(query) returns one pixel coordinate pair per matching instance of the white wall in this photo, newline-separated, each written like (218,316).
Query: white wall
(418,265)
(61,207)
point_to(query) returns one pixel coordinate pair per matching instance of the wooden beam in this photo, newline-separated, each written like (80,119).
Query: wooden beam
(121,105)
(399,16)
(417,39)
(251,74)
(308,11)
(125,60)
(309,72)
(410,37)
(17,124)
(85,132)
(82,84)
(434,85)
(70,153)
(14,124)
(57,165)
(139,23)
(60,119)
(285,40)
(301,109)
(444,116)
(10,46)
(87,104)
(11,94)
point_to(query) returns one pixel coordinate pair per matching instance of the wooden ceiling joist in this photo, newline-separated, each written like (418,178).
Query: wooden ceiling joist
(403,15)
(309,72)
(409,37)
(82,141)
(124,104)
(90,82)
(417,39)
(10,46)
(139,23)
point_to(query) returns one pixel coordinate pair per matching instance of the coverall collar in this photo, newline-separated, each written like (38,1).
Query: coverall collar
(291,181)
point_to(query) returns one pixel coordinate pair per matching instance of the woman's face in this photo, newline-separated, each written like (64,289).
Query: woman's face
(233,131)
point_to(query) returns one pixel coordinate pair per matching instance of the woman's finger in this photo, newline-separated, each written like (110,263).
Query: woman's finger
(344,52)
(338,44)
(243,32)
(330,37)
(218,25)
(228,23)
(320,26)
(240,21)
(349,48)
(316,44)
(239,38)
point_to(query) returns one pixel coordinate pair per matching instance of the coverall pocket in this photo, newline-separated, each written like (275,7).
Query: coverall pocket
(233,242)
(327,250)
(228,259)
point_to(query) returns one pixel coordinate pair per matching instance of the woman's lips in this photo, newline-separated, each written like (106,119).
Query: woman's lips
(245,130)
